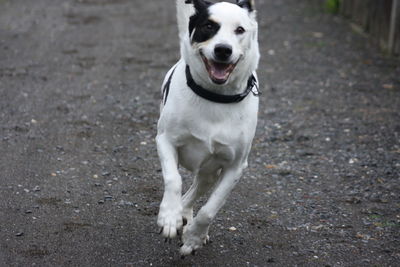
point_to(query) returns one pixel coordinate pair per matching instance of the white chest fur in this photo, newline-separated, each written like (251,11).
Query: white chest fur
(207,135)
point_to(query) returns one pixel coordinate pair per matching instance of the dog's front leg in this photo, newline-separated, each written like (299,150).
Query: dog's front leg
(170,214)
(196,234)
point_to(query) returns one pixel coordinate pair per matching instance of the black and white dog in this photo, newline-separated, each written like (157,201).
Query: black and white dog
(208,114)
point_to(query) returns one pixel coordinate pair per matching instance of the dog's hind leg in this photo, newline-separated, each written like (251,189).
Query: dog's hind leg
(202,183)
(170,215)
(197,232)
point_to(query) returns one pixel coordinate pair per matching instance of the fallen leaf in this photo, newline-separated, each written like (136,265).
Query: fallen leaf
(270,166)
(388,86)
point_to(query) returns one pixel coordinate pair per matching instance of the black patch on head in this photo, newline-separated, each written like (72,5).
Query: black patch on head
(204,28)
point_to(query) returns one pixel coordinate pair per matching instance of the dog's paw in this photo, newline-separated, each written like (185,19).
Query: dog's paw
(193,240)
(193,244)
(170,220)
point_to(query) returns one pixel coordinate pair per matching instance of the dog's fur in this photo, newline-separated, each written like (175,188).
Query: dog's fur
(212,140)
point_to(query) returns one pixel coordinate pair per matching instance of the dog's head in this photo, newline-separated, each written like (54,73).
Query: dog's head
(222,41)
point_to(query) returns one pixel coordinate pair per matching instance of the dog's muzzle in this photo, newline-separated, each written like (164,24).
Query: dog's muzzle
(220,68)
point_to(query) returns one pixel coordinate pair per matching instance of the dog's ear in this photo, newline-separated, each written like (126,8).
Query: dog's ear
(247,4)
(199,5)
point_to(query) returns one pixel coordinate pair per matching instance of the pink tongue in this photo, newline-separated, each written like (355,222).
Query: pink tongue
(219,71)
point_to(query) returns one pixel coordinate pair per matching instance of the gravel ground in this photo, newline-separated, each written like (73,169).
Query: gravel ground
(80,178)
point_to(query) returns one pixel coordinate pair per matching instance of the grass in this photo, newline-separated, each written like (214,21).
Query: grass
(379,221)
(332,6)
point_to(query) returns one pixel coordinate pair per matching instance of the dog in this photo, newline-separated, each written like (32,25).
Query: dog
(208,114)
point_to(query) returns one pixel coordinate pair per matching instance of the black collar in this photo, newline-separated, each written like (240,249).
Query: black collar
(252,86)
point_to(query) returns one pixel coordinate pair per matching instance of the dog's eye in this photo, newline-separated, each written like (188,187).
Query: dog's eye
(240,30)
(209,26)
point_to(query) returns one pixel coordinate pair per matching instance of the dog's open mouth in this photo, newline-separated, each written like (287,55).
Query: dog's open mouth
(219,72)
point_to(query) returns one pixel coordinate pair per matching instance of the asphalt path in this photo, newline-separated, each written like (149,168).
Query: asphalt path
(80,181)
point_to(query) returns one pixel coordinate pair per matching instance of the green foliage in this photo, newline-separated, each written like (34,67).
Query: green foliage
(332,6)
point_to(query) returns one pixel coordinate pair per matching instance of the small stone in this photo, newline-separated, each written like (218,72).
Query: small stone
(106,173)
(125,203)
(318,227)
(19,234)
(318,34)
(100,201)
(353,200)
(232,229)
(95,176)
(363,236)
(108,197)
(53,174)
(270,260)
(352,161)
(36,189)
(286,43)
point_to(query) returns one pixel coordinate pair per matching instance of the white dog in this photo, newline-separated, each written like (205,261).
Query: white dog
(208,114)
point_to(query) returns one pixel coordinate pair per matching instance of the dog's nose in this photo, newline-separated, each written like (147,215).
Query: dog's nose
(222,52)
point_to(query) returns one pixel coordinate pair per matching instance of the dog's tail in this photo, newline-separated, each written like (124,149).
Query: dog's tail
(184,9)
